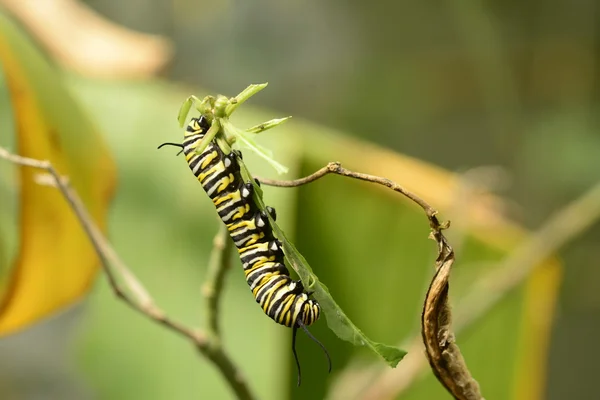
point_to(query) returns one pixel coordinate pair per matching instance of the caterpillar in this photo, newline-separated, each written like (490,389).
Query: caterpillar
(283,299)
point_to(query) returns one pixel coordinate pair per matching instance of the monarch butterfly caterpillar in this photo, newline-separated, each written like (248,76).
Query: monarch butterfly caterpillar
(281,298)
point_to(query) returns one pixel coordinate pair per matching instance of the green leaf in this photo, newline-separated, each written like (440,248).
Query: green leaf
(337,320)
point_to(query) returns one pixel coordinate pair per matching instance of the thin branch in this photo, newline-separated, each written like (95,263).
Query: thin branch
(141,302)
(218,266)
(443,354)
(337,169)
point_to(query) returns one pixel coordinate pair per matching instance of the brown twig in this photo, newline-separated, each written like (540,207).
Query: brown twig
(141,300)
(337,169)
(443,354)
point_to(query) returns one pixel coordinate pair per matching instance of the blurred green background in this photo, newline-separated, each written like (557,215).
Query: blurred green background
(513,85)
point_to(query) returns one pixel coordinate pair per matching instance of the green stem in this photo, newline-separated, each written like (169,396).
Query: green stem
(218,266)
(210,135)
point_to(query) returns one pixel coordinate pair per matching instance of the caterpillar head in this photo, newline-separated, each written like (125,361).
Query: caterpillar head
(195,131)
(197,126)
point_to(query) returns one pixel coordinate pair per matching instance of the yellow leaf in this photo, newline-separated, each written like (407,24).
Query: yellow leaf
(55,263)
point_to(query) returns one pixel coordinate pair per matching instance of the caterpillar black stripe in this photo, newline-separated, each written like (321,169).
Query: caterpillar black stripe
(281,298)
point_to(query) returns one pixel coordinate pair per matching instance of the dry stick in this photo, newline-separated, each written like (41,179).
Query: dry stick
(143,302)
(444,356)
(337,169)
(212,289)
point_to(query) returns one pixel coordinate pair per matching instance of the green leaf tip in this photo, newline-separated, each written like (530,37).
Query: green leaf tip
(184,110)
(392,355)
(268,125)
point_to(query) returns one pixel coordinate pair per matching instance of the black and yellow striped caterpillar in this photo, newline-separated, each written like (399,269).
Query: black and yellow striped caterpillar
(281,298)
